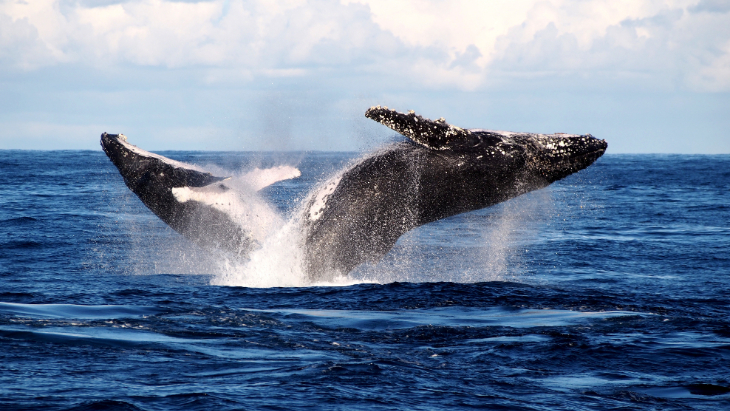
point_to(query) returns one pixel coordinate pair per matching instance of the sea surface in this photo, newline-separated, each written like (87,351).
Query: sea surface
(607,290)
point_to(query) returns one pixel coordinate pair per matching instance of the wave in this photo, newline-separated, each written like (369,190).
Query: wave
(76,311)
(20,244)
(18,221)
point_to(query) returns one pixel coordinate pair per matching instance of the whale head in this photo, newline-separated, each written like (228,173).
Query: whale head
(540,158)
(547,157)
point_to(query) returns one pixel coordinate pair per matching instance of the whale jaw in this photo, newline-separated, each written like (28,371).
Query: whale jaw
(548,157)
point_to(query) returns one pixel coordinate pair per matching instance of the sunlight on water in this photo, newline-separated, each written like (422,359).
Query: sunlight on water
(76,311)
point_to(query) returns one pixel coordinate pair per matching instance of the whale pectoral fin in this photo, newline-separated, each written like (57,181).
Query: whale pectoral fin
(433,134)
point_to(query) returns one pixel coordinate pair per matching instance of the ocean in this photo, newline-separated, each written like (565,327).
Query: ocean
(607,290)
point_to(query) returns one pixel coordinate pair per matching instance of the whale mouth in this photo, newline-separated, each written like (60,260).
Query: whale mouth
(590,156)
(598,152)
(576,148)
(562,156)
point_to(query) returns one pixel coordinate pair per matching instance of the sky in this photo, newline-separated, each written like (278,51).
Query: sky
(649,76)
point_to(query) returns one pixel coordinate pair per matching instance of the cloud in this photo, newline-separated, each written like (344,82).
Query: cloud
(433,44)
(430,43)
(712,6)
(20,45)
(258,35)
(330,57)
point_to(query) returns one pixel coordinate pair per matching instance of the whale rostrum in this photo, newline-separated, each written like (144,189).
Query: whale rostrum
(358,214)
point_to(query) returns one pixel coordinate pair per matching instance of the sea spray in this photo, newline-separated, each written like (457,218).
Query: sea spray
(276,264)
(485,245)
(490,246)
(279,261)
(506,234)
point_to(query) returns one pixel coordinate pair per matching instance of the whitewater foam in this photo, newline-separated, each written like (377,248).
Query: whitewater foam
(279,261)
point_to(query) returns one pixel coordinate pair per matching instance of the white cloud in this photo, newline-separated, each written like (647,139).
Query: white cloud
(20,45)
(437,43)
(332,58)
(557,37)
(714,76)
(712,6)
(256,34)
(659,45)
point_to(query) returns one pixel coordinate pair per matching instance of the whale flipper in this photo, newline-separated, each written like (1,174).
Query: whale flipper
(433,134)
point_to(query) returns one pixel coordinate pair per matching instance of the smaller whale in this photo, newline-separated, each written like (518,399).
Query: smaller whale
(358,215)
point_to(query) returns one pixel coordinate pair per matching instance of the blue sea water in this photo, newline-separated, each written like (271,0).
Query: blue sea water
(607,290)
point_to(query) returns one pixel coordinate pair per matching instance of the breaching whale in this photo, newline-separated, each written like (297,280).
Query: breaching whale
(358,215)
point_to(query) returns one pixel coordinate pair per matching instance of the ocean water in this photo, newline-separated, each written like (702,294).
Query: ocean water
(607,290)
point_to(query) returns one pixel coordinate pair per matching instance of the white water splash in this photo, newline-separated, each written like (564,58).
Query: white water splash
(260,178)
(505,236)
(490,244)
(276,264)
(279,262)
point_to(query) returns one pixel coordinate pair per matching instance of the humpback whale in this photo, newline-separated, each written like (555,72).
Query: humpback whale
(358,215)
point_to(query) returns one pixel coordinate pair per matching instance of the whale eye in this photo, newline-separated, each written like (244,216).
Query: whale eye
(485,139)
